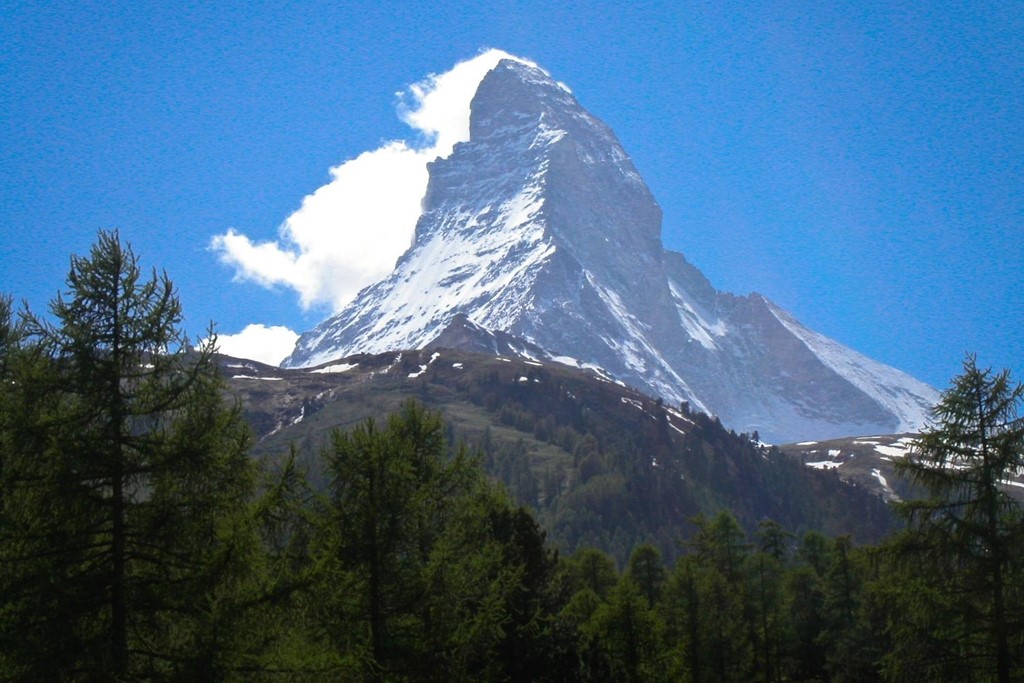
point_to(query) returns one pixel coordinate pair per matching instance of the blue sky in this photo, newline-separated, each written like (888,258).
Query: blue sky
(861,166)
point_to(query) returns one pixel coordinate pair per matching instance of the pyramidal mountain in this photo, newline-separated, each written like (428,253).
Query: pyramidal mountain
(538,237)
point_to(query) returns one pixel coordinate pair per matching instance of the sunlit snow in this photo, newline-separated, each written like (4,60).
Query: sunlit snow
(337,367)
(898,392)
(824,465)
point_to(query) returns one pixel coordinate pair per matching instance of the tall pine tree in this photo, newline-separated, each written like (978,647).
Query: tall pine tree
(969,532)
(124,487)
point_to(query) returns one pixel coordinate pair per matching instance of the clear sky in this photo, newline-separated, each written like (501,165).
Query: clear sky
(862,165)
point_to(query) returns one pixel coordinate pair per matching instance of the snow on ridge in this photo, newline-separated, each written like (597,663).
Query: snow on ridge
(897,449)
(824,465)
(893,451)
(695,324)
(908,399)
(486,256)
(477,255)
(887,493)
(451,272)
(636,351)
(485,246)
(335,368)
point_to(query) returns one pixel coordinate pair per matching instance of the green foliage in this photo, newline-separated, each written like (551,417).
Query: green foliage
(721,544)
(391,494)
(646,571)
(599,464)
(422,566)
(592,569)
(125,481)
(624,631)
(967,535)
(138,541)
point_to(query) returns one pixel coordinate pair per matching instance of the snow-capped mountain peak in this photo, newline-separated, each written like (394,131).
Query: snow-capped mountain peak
(540,227)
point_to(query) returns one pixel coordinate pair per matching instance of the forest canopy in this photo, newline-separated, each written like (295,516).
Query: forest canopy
(140,540)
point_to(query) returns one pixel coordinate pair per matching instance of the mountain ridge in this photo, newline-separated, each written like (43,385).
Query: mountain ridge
(540,227)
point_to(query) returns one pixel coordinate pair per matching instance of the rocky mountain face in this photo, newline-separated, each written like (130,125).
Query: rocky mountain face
(539,232)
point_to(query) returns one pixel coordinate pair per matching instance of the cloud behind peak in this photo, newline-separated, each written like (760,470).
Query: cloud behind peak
(348,233)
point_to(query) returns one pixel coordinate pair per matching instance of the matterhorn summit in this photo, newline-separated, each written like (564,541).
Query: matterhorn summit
(539,228)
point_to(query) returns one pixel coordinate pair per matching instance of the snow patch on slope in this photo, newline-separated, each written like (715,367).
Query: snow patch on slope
(824,465)
(467,266)
(335,368)
(694,322)
(638,353)
(910,400)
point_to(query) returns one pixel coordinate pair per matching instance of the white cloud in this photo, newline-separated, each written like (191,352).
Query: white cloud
(349,233)
(261,343)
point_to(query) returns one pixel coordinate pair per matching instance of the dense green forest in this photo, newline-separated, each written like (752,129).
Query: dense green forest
(598,464)
(139,540)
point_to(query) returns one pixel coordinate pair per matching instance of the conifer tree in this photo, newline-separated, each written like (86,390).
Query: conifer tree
(423,570)
(969,531)
(592,568)
(720,586)
(646,571)
(123,531)
(391,494)
(766,590)
(626,633)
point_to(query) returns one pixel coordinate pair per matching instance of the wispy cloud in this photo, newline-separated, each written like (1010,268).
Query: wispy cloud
(349,233)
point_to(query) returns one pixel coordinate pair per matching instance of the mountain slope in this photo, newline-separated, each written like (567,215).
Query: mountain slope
(869,462)
(540,227)
(601,464)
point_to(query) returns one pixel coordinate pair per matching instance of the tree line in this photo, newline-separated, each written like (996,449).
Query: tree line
(140,541)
